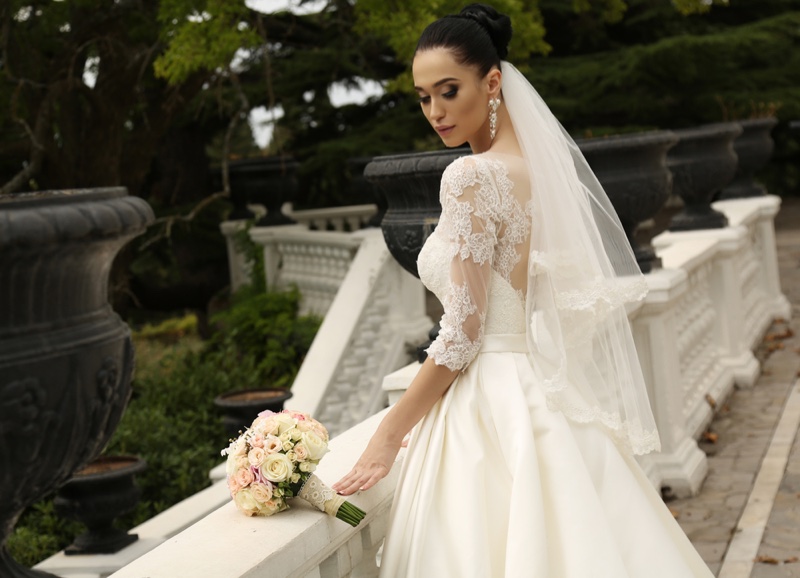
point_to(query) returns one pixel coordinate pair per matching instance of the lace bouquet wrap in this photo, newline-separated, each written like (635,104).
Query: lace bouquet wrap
(274,460)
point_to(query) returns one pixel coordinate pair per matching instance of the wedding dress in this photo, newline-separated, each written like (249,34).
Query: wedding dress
(495,483)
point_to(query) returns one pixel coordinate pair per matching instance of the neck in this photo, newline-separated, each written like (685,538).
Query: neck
(505,140)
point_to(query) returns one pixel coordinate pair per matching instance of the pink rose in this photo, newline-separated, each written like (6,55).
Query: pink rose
(266,413)
(244,477)
(300,452)
(256,456)
(257,477)
(233,485)
(257,441)
(272,444)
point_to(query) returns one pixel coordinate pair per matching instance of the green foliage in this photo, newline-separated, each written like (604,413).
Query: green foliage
(264,331)
(171,329)
(253,256)
(201,35)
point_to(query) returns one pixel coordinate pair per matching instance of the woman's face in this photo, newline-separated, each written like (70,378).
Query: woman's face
(453,98)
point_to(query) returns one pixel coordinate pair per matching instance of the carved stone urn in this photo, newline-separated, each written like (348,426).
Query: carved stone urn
(632,169)
(410,183)
(66,358)
(702,163)
(753,148)
(95,496)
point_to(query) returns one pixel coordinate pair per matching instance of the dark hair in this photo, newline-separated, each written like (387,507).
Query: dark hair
(478,36)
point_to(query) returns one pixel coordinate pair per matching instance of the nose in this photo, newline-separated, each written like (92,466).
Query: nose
(436,110)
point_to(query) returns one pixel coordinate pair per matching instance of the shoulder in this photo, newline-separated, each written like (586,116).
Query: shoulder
(470,170)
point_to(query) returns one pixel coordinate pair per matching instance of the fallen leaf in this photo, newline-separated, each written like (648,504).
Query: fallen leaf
(767,560)
(791,560)
(710,437)
(711,401)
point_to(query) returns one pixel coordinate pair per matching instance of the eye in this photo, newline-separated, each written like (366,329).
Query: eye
(450,94)
(424,99)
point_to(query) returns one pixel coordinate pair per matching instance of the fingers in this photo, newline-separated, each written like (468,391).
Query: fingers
(360,480)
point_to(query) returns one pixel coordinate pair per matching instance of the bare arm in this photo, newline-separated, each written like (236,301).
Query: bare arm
(425,390)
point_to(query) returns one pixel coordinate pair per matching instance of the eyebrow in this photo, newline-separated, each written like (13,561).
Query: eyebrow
(437,83)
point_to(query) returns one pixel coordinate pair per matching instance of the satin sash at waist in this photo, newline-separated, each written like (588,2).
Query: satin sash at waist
(504,343)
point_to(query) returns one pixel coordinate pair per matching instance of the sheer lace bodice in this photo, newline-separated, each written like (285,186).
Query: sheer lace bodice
(476,260)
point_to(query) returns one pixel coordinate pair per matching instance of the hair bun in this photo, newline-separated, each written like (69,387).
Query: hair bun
(497,25)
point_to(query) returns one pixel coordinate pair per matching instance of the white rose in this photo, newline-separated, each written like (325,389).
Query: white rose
(256,456)
(307,467)
(295,478)
(316,446)
(296,434)
(284,422)
(246,503)
(276,468)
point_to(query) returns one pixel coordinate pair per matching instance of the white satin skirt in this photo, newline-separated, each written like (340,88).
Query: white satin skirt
(494,485)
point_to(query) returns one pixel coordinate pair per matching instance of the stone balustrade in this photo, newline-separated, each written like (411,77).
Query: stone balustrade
(350,218)
(337,219)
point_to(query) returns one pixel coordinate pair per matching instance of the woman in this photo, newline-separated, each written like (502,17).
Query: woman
(531,401)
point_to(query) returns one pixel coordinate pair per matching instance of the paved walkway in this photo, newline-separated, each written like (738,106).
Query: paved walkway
(751,425)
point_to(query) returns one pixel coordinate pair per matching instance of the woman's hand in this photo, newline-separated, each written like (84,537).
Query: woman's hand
(373,465)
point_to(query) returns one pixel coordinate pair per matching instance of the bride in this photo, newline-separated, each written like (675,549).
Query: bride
(531,404)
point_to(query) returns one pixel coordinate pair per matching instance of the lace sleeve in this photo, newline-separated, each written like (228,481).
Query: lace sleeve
(468,226)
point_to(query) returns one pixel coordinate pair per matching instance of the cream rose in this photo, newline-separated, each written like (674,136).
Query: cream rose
(261,492)
(272,444)
(233,485)
(271,507)
(307,466)
(276,468)
(245,501)
(269,426)
(316,446)
(256,456)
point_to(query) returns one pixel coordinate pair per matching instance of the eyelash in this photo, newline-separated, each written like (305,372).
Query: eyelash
(449,95)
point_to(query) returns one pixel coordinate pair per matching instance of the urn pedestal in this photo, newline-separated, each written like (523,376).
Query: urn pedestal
(66,358)
(702,163)
(753,148)
(632,169)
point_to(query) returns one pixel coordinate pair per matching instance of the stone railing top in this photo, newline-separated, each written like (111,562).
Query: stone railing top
(746,211)
(292,543)
(333,212)
(300,235)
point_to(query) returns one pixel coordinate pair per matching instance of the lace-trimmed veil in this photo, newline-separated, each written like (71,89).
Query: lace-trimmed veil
(582,273)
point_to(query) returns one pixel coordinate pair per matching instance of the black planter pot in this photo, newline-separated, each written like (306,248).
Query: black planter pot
(410,182)
(702,163)
(95,496)
(753,148)
(268,181)
(65,357)
(241,407)
(363,191)
(632,169)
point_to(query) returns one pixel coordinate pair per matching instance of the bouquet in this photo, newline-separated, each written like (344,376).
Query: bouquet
(274,459)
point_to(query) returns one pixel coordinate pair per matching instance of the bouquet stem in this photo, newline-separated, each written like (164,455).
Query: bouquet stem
(316,493)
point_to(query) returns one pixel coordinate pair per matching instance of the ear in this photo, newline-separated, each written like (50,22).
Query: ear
(494,82)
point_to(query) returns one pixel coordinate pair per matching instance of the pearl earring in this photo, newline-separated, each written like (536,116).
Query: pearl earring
(494,104)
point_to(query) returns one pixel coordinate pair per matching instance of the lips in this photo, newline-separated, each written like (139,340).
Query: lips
(444,130)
